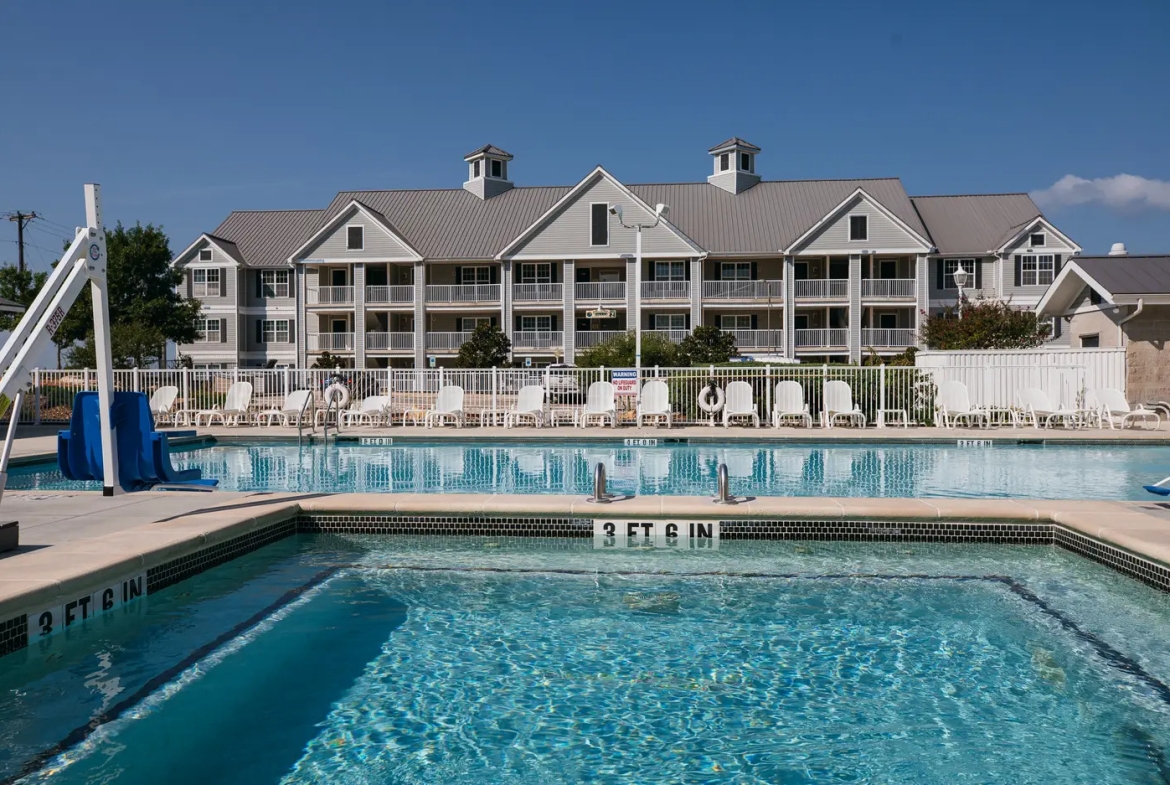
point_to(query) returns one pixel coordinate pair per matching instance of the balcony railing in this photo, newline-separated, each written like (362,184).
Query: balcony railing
(888,288)
(389,295)
(822,289)
(600,290)
(674,336)
(390,342)
(758,339)
(587,338)
(537,292)
(464,293)
(743,290)
(666,290)
(331,342)
(538,339)
(895,338)
(331,295)
(446,342)
(821,338)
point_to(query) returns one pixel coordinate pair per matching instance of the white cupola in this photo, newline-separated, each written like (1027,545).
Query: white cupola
(487,171)
(735,165)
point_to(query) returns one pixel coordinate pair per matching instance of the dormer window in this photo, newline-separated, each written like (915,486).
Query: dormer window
(205,254)
(1037,240)
(745,162)
(724,162)
(497,168)
(355,238)
(475,168)
(858,227)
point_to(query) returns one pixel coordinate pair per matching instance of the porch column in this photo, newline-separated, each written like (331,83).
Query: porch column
(922,291)
(506,298)
(633,279)
(302,325)
(359,315)
(420,315)
(696,292)
(789,287)
(855,307)
(569,303)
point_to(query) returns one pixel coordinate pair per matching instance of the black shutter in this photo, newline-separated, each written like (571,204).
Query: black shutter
(223,330)
(755,320)
(755,272)
(495,322)
(223,282)
(458,324)
(939,273)
(259,284)
(292,330)
(687,320)
(651,276)
(978,273)
(1056,326)
(1019,269)
(516,319)
(458,275)
(259,331)
(1055,266)
(494,275)
(189,284)
(553,323)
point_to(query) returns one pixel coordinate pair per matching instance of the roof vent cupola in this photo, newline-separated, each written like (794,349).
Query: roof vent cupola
(487,171)
(1118,249)
(735,165)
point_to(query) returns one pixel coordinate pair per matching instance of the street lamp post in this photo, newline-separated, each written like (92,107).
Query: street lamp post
(660,211)
(960,276)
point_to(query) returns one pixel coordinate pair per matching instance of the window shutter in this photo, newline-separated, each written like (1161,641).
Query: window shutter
(1055,266)
(458,324)
(687,270)
(494,274)
(292,330)
(1019,269)
(458,275)
(755,273)
(553,323)
(755,321)
(189,277)
(223,282)
(223,330)
(259,284)
(653,274)
(1055,326)
(495,322)
(516,324)
(259,331)
(978,273)
(940,273)
(687,321)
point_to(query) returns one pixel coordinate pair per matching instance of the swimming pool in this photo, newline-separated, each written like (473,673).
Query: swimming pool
(467,660)
(862,470)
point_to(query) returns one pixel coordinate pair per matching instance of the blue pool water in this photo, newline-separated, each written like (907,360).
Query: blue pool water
(473,660)
(869,470)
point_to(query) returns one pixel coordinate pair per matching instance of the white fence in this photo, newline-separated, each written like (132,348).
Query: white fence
(994,377)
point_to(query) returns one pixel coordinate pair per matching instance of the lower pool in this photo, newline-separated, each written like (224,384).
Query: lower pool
(345,659)
(1031,471)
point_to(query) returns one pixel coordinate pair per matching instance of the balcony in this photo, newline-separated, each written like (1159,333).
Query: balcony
(898,338)
(389,295)
(822,289)
(537,292)
(331,295)
(390,342)
(446,342)
(666,290)
(598,291)
(772,340)
(674,336)
(463,294)
(538,340)
(888,288)
(743,290)
(331,342)
(821,338)
(588,338)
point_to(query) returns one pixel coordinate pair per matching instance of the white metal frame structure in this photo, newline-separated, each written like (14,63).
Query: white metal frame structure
(84,261)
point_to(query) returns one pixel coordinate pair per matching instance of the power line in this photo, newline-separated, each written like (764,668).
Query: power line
(21,220)
(33,245)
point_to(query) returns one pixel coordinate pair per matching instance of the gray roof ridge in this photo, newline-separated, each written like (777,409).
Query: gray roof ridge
(763,182)
(953,196)
(1121,258)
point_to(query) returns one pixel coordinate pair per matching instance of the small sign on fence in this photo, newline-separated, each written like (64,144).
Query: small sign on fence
(625,381)
(974,443)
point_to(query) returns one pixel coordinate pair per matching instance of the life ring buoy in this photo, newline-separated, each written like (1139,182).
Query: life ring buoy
(339,391)
(705,402)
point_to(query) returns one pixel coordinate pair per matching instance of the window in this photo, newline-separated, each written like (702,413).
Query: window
(740,321)
(724,162)
(670,321)
(205,254)
(745,162)
(531,324)
(474,169)
(1037,240)
(949,267)
(1091,341)
(670,271)
(468,323)
(1095,297)
(888,321)
(536,273)
(858,227)
(274,331)
(475,275)
(274,283)
(497,168)
(735,271)
(355,238)
(208,330)
(1036,270)
(205,283)
(599,223)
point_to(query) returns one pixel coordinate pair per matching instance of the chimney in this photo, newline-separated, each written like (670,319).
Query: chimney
(1118,249)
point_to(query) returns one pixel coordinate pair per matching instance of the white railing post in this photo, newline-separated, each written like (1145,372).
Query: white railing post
(495,390)
(881,412)
(136,382)
(36,396)
(440,377)
(185,382)
(768,391)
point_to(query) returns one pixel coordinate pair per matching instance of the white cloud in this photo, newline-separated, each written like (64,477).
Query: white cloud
(1119,191)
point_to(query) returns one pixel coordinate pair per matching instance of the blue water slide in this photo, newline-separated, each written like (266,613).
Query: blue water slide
(144,458)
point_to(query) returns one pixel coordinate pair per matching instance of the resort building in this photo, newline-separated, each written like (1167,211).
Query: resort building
(811,270)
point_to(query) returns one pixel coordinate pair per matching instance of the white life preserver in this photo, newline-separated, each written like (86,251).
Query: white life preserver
(705,402)
(338,390)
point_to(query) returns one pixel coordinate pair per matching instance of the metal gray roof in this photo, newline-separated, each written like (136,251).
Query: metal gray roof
(975,224)
(230,248)
(489,149)
(265,238)
(1135,275)
(734,141)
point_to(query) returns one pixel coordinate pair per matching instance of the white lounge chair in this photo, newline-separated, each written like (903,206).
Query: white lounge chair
(655,402)
(789,404)
(954,404)
(448,406)
(1115,409)
(1039,409)
(162,402)
(739,404)
(600,404)
(839,405)
(370,412)
(289,413)
(235,406)
(529,405)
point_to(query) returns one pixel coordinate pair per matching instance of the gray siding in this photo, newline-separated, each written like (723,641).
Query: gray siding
(986,272)
(855,307)
(227,345)
(568,233)
(1028,294)
(883,233)
(379,244)
(251,290)
(227,276)
(250,344)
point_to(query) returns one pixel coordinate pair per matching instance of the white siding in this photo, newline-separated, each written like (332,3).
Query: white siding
(379,243)
(883,232)
(227,276)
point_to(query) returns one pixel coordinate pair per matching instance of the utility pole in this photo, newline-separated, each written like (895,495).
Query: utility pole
(22,220)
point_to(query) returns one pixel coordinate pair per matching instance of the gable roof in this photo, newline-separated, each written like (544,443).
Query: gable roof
(358,206)
(489,149)
(1120,280)
(734,141)
(227,246)
(266,238)
(975,224)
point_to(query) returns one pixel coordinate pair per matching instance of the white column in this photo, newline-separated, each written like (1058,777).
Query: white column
(855,307)
(696,292)
(359,315)
(420,315)
(302,325)
(569,302)
(506,298)
(789,307)
(922,289)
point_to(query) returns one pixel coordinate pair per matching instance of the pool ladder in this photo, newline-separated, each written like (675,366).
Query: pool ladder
(600,494)
(723,487)
(301,419)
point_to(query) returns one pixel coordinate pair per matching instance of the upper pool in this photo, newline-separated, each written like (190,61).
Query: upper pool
(1032,471)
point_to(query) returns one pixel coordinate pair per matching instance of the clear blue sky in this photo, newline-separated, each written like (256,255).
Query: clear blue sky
(186,114)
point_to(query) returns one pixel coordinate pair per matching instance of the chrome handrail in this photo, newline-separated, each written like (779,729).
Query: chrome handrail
(600,495)
(723,487)
(301,419)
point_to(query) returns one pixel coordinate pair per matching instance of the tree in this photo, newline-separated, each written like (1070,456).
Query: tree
(19,286)
(487,347)
(986,324)
(707,345)
(619,352)
(132,345)
(327,360)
